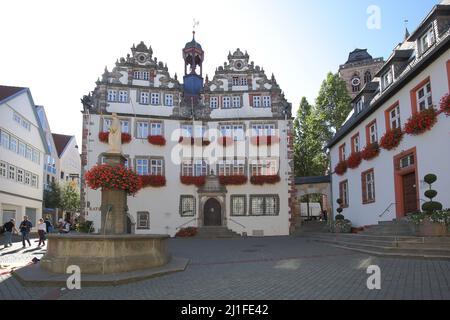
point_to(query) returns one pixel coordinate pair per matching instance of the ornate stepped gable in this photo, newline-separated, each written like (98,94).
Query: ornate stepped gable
(123,74)
(238,65)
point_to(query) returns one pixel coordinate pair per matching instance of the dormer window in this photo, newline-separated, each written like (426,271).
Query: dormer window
(360,105)
(427,40)
(387,79)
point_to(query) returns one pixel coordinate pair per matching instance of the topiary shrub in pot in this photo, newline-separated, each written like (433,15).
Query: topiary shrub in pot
(341,225)
(435,221)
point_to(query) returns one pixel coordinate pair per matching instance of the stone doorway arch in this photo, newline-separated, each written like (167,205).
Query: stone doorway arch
(314,185)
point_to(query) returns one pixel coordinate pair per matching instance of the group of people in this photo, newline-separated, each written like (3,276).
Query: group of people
(43,227)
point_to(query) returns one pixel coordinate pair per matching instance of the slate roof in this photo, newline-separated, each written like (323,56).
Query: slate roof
(61,142)
(6,91)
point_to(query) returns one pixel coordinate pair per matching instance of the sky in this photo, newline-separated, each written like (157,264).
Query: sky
(59,48)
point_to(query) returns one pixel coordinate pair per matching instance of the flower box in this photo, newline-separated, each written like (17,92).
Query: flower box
(107,177)
(153,181)
(371,151)
(264,140)
(236,180)
(104,137)
(391,139)
(190,180)
(445,104)
(157,140)
(421,122)
(225,141)
(260,180)
(354,160)
(341,168)
(186,232)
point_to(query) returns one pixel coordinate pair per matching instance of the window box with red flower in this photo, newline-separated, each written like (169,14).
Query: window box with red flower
(260,180)
(186,232)
(225,141)
(104,136)
(236,180)
(421,122)
(264,140)
(391,139)
(192,180)
(354,160)
(186,140)
(158,140)
(341,168)
(371,151)
(153,181)
(445,104)
(107,177)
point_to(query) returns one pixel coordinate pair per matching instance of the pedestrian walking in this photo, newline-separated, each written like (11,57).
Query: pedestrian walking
(10,228)
(42,228)
(25,228)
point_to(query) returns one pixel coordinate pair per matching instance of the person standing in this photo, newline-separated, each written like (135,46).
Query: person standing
(48,224)
(10,228)
(42,228)
(25,228)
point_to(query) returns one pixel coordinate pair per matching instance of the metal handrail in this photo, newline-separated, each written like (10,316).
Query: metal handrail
(387,209)
(240,224)
(179,227)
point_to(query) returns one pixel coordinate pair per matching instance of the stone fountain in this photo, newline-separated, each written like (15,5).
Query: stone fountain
(112,256)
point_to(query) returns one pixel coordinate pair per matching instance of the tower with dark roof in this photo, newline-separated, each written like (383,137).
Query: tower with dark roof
(193,56)
(359,70)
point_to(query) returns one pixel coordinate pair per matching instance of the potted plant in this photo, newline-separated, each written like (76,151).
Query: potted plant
(391,139)
(233,180)
(157,140)
(107,177)
(421,122)
(354,160)
(341,168)
(192,180)
(371,151)
(340,224)
(261,180)
(153,181)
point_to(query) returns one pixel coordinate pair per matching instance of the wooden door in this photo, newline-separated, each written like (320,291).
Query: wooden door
(410,193)
(212,213)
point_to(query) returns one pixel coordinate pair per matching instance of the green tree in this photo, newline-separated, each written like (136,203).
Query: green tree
(333,104)
(309,156)
(70,199)
(52,196)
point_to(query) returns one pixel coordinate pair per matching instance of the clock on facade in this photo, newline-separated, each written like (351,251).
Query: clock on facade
(356,82)
(141,58)
(238,65)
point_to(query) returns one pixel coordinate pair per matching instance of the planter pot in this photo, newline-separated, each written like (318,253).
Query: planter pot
(431,229)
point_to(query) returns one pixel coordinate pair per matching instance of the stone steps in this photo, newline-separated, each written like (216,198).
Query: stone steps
(412,247)
(216,232)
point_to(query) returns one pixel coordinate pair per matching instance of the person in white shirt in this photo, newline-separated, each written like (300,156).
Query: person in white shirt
(42,228)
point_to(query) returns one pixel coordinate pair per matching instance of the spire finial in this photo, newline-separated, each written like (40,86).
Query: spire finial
(407,34)
(196,23)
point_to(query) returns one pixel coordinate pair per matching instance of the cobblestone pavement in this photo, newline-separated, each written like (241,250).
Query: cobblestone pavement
(262,268)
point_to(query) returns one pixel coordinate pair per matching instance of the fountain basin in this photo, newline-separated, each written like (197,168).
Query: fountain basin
(105,254)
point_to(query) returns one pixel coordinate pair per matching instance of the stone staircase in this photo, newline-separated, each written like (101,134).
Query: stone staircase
(216,232)
(310,227)
(388,245)
(396,228)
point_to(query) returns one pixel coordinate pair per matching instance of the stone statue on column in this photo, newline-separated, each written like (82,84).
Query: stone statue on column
(115,136)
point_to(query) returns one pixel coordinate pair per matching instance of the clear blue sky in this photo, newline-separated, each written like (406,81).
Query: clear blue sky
(59,48)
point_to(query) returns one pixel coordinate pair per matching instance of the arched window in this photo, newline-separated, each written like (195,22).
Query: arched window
(356,84)
(367,77)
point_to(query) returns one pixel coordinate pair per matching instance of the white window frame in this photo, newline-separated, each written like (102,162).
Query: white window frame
(143,221)
(356,143)
(12,172)
(3,169)
(369,181)
(189,205)
(263,129)
(123,96)
(257,102)
(125,126)
(267,101)
(13,144)
(388,79)
(112,95)
(264,167)
(27,178)
(156,129)
(145,75)
(5,137)
(345,200)
(168,100)
(200,168)
(34,181)
(186,130)
(427,40)
(144,98)
(187,168)
(157,167)
(142,166)
(21,150)
(238,205)
(360,105)
(142,130)
(235,81)
(155,99)
(236,102)
(426,101)
(394,118)
(243,81)
(19,175)
(226,102)
(373,133)
(214,103)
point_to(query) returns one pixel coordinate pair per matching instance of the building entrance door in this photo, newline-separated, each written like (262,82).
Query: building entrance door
(212,213)
(409,193)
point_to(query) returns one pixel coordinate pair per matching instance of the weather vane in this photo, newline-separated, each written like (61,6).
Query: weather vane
(196,23)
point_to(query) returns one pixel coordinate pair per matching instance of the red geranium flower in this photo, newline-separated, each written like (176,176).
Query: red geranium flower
(233,180)
(370,151)
(158,140)
(153,181)
(354,160)
(391,139)
(264,140)
(445,104)
(107,177)
(260,180)
(191,180)
(421,122)
(104,136)
(341,168)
